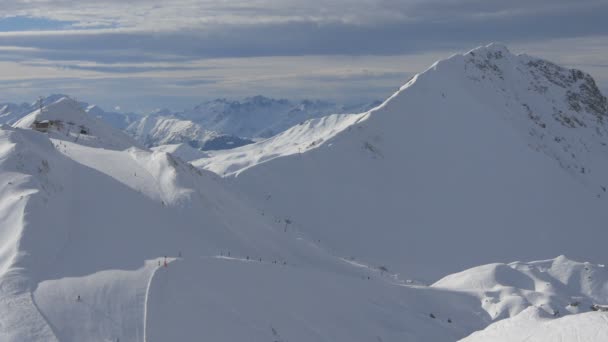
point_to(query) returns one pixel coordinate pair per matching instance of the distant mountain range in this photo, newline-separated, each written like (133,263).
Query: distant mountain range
(212,125)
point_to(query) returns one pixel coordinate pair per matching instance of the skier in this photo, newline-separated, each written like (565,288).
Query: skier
(78,298)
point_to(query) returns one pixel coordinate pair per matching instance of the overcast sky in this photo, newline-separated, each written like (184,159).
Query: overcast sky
(146,54)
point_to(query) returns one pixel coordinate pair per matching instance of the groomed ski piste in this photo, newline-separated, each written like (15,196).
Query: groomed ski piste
(318,234)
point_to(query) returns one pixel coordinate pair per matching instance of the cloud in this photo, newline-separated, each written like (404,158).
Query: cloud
(149,30)
(116,69)
(337,48)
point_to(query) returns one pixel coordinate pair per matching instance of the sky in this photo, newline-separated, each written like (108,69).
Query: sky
(139,55)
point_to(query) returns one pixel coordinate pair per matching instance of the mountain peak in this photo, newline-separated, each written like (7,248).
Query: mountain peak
(495,49)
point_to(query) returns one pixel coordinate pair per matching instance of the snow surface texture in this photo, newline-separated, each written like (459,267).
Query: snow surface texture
(328,232)
(534,326)
(484,157)
(556,286)
(155,130)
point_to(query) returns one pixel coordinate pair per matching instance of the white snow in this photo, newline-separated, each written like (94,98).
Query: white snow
(450,172)
(557,286)
(330,231)
(532,326)
(156,129)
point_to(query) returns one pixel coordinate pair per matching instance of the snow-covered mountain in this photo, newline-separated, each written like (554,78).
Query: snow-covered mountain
(11,112)
(65,119)
(158,129)
(262,117)
(333,230)
(486,156)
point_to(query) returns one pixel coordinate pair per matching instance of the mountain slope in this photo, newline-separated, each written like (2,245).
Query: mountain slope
(86,231)
(490,153)
(92,222)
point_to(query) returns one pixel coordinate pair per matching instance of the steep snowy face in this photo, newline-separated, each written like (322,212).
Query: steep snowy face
(486,156)
(561,111)
(66,120)
(156,130)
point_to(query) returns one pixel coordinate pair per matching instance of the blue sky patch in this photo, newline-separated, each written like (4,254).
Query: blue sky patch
(21,23)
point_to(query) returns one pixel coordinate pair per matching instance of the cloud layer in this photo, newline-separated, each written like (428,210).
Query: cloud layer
(182,42)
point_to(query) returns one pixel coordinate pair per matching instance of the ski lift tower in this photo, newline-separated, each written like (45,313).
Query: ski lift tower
(40,103)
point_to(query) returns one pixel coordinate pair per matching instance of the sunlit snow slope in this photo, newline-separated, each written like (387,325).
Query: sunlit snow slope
(484,157)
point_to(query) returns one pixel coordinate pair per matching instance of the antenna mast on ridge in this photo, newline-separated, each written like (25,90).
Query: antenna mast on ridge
(40,103)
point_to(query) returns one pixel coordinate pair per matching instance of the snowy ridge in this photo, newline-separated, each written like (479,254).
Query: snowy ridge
(298,139)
